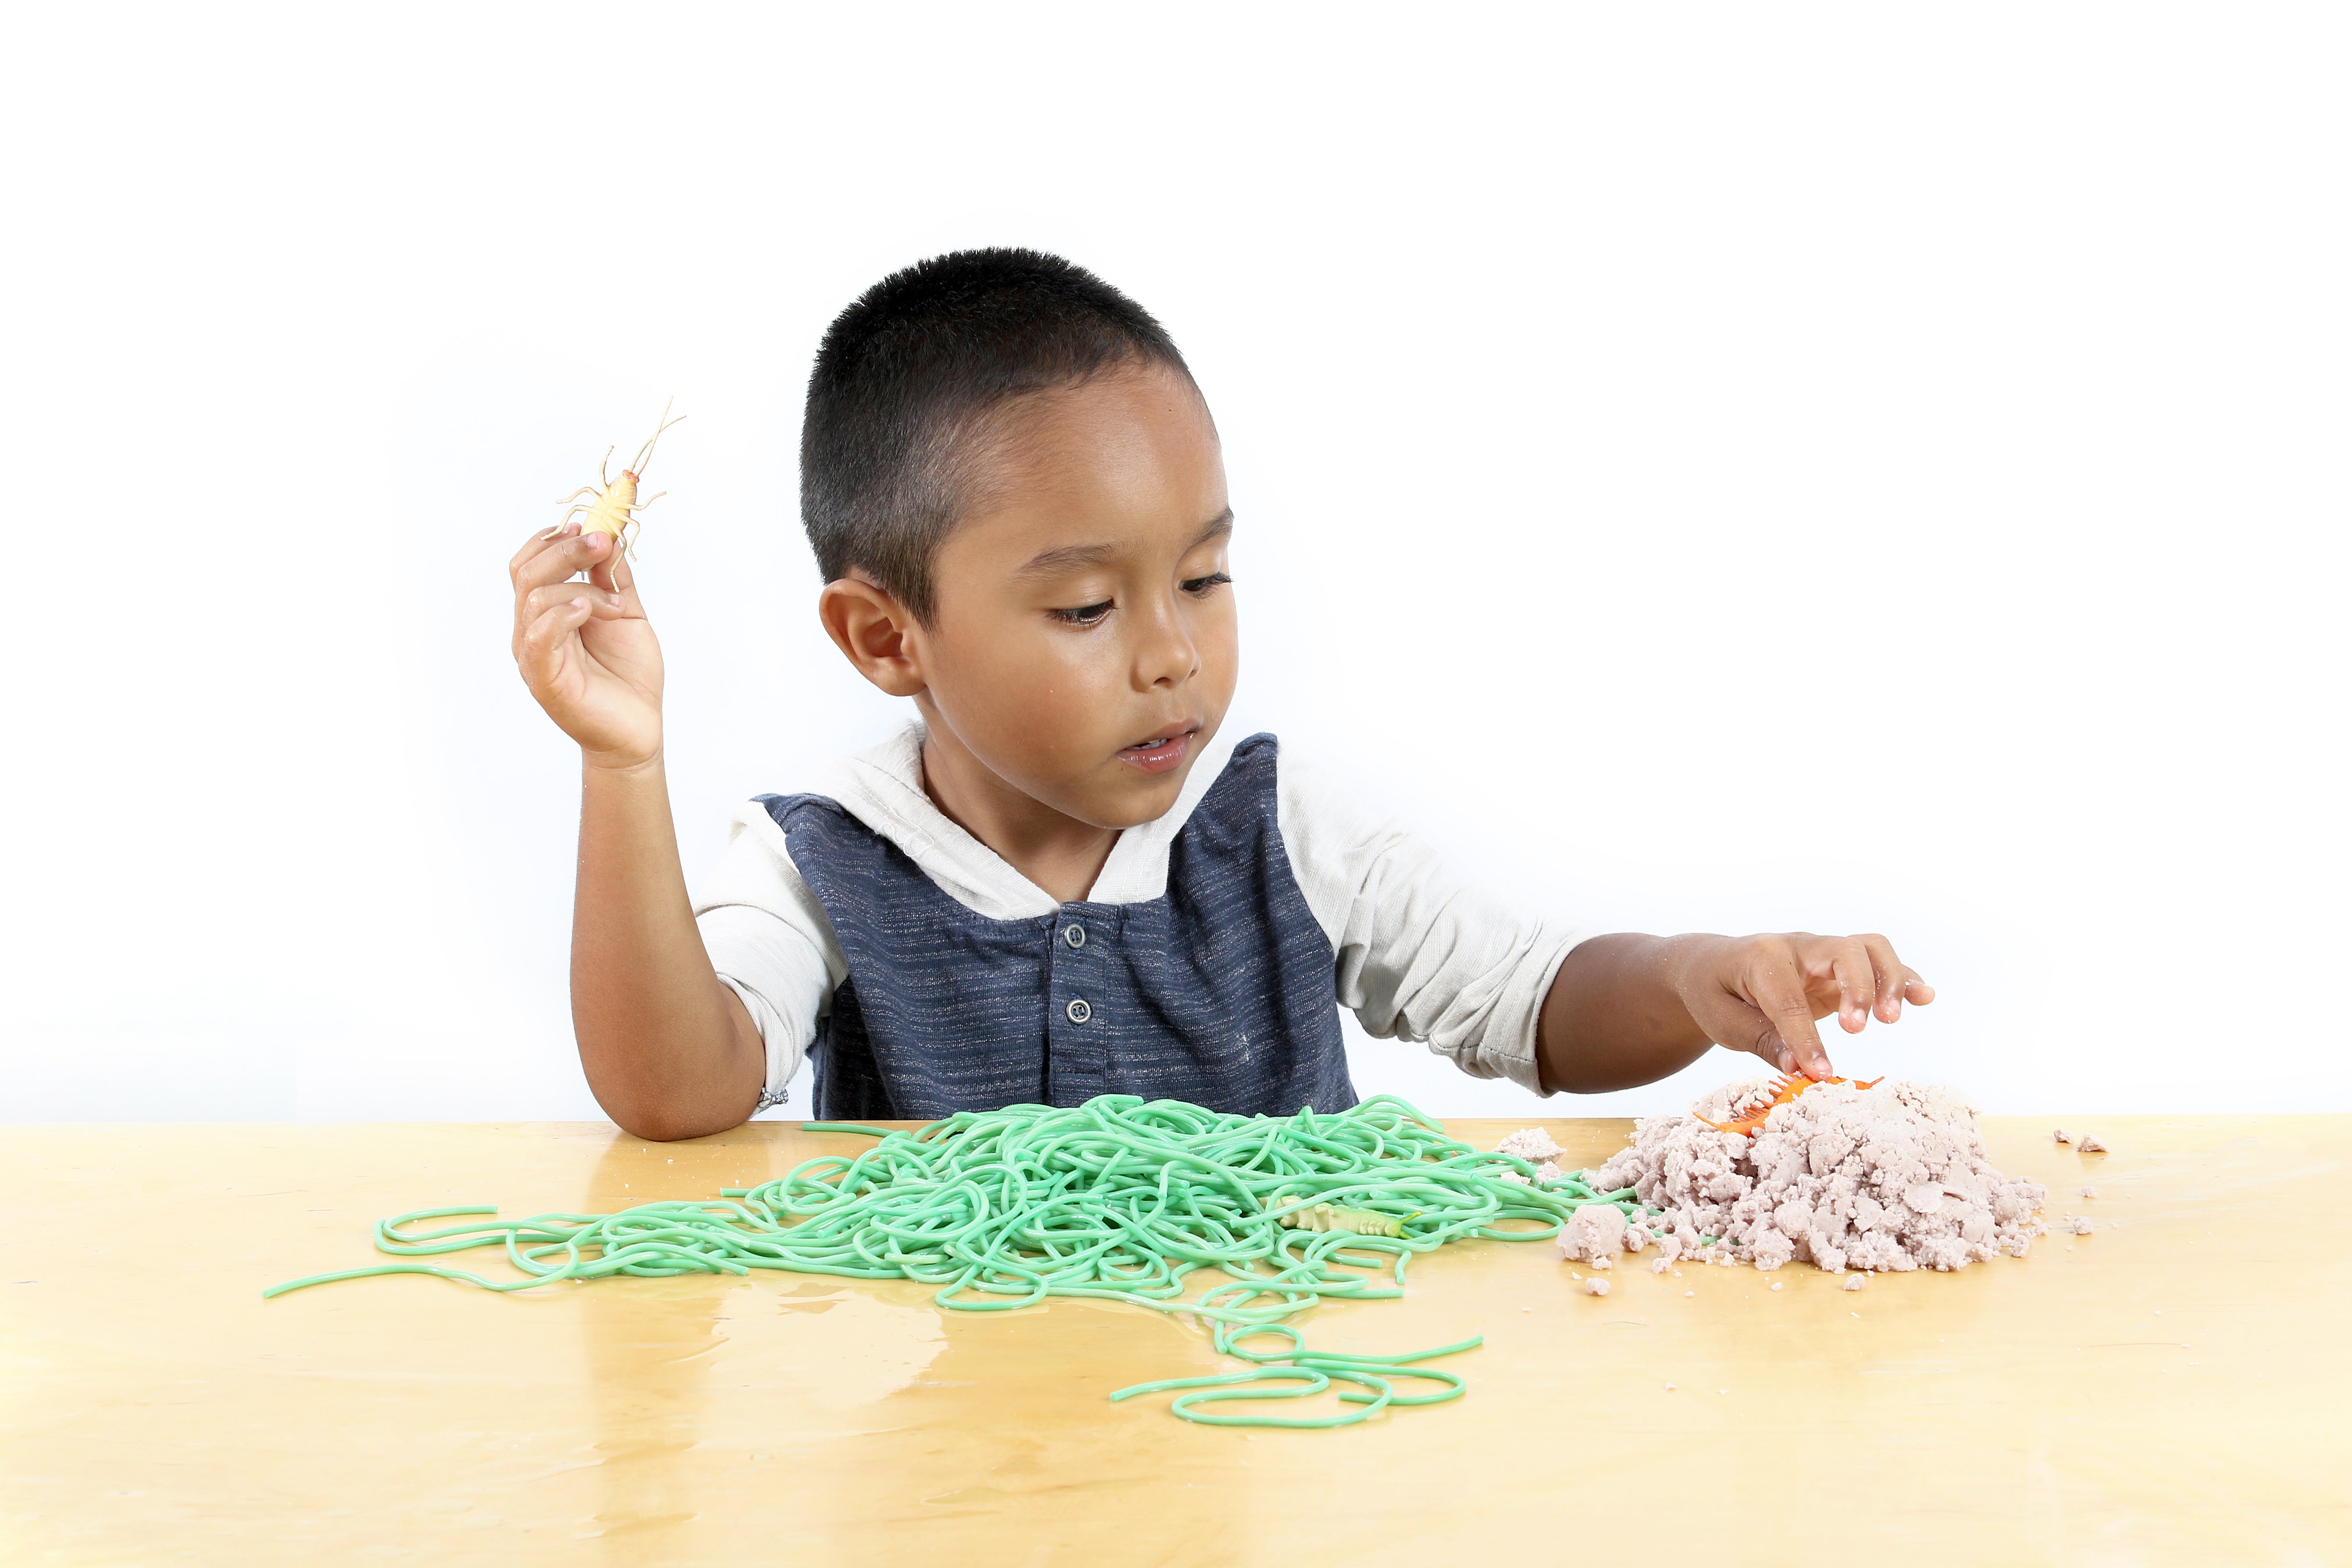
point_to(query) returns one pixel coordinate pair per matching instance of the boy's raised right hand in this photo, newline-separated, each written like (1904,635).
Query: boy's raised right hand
(670,1051)
(585,650)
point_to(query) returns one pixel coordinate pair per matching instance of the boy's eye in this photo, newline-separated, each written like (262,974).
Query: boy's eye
(1202,585)
(1084,615)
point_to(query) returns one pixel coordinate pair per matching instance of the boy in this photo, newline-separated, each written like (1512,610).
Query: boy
(1063,880)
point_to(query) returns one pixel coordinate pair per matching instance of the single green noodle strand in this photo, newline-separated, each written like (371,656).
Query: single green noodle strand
(1117,1199)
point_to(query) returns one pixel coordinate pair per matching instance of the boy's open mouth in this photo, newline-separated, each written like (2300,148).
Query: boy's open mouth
(1160,753)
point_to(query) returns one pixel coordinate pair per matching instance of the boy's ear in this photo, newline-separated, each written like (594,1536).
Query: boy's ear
(871,628)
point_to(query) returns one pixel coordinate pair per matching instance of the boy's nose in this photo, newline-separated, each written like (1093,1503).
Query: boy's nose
(1165,657)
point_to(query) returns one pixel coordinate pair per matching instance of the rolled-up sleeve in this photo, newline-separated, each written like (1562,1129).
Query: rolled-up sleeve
(771,942)
(1419,956)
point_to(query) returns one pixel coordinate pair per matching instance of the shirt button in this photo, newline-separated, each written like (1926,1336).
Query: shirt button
(1074,934)
(1079,1010)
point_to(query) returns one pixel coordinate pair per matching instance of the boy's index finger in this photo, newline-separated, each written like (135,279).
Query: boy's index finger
(564,556)
(531,546)
(1780,994)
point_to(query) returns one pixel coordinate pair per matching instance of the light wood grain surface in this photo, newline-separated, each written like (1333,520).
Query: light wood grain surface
(2172,1388)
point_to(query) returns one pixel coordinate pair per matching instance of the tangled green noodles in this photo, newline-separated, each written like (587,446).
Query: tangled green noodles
(1117,1199)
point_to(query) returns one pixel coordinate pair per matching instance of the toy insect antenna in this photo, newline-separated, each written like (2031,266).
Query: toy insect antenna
(645,452)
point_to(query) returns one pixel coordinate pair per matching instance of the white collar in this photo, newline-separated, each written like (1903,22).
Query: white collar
(883,788)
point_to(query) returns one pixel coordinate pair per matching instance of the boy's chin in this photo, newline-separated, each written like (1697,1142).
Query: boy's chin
(1135,799)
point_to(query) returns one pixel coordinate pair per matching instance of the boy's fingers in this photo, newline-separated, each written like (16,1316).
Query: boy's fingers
(530,606)
(602,572)
(536,541)
(561,557)
(1780,994)
(1890,974)
(530,547)
(619,575)
(1767,1045)
(540,540)
(540,655)
(603,606)
(1858,983)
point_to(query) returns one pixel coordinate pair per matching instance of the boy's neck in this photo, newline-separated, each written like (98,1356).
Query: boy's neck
(1056,851)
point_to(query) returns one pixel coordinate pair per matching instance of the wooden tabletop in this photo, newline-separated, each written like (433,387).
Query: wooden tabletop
(2174,1387)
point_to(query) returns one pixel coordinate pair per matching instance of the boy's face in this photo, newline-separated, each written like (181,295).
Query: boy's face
(1084,644)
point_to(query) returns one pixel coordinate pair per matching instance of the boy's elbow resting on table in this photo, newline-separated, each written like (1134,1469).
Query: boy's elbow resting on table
(668,1123)
(664,1106)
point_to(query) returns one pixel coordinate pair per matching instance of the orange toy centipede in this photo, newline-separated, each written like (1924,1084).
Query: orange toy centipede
(1784,1090)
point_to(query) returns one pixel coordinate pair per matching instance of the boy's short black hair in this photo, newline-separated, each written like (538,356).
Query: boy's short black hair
(909,371)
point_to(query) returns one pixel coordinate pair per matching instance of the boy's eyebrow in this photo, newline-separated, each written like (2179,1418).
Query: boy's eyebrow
(1063,558)
(1070,557)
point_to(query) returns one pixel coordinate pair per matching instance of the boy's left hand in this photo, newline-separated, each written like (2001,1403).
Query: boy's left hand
(1761,994)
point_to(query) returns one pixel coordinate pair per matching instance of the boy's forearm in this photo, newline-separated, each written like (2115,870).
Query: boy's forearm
(1614,1018)
(669,1051)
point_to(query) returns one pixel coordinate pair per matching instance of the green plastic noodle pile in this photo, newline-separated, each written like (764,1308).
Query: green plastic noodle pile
(1117,1199)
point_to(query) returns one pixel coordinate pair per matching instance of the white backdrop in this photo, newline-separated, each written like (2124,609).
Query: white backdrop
(1839,468)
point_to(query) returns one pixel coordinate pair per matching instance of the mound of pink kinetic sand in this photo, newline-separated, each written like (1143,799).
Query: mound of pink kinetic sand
(1892,1177)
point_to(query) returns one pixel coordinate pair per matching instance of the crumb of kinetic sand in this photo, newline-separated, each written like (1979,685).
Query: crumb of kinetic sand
(2082,1226)
(1532,1144)
(2087,1144)
(1690,1292)
(1854,1281)
(2061,1135)
(1776,1284)
(1599,1263)
(1548,1172)
(2090,1191)
(1891,1177)
(1594,1232)
(1657,1266)
(1516,1179)
(1596,1287)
